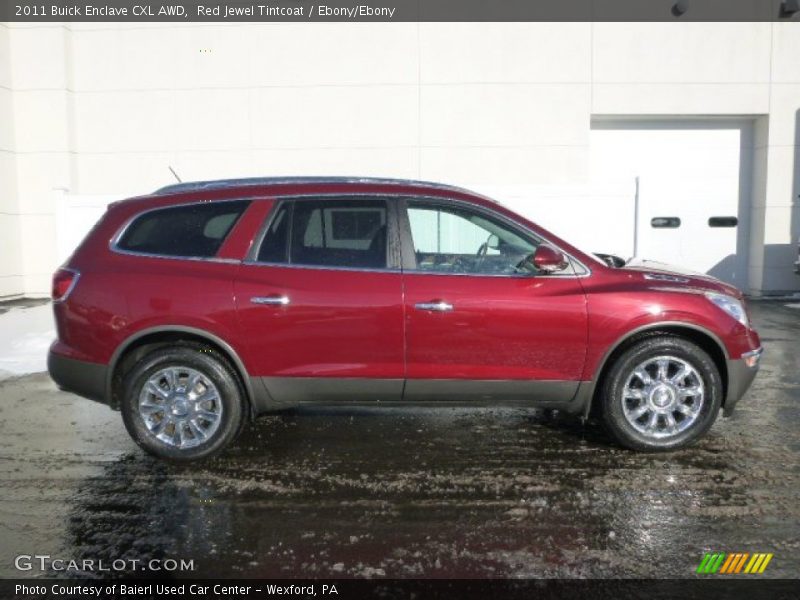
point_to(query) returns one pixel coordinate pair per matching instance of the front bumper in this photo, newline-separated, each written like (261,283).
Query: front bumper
(80,377)
(741,373)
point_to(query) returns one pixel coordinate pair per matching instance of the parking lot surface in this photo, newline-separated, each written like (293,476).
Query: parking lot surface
(411,492)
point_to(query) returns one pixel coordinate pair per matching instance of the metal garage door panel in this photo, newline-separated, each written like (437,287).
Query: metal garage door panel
(687,171)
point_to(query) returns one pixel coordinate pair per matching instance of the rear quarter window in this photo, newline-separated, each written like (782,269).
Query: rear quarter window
(191,231)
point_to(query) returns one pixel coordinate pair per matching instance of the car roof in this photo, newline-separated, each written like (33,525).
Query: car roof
(228,184)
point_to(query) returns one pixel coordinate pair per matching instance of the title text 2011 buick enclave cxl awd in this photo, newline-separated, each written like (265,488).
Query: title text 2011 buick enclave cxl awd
(203,305)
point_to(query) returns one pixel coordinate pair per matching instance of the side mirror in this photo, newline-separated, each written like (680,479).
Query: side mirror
(493,242)
(548,259)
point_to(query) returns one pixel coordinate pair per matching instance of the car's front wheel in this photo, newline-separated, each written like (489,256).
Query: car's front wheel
(182,403)
(662,393)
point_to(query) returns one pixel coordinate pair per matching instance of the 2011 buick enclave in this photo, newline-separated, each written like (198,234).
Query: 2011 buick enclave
(205,304)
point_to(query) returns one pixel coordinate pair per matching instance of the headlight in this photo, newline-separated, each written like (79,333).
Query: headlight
(730,305)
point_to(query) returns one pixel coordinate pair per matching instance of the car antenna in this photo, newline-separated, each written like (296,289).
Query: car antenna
(174,173)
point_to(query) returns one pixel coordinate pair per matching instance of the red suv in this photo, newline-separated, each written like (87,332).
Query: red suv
(203,305)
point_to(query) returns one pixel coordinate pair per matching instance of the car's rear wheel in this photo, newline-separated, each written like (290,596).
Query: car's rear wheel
(182,403)
(662,393)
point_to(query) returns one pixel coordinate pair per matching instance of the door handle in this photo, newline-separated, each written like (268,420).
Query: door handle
(273,300)
(434,306)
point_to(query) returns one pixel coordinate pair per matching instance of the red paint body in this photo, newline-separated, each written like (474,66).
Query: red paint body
(361,324)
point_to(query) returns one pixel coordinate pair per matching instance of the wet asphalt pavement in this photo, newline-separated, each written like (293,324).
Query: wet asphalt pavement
(418,492)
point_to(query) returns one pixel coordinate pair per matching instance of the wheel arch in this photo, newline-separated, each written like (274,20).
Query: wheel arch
(701,336)
(165,335)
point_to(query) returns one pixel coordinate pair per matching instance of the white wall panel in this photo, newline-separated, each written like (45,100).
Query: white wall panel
(126,121)
(505,52)
(482,165)
(784,125)
(785,52)
(503,104)
(400,162)
(504,115)
(334,117)
(41,121)
(6,120)
(681,52)
(37,60)
(680,99)
(5,57)
(322,54)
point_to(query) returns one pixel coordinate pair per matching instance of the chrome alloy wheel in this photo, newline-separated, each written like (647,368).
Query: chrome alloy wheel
(663,396)
(180,406)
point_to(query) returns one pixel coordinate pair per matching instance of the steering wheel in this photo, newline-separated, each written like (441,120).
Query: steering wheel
(480,255)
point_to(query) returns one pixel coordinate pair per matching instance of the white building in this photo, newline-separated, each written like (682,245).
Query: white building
(559,120)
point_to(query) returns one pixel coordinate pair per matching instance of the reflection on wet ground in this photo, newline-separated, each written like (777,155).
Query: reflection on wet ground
(418,492)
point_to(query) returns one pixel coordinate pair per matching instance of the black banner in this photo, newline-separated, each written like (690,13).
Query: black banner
(397,10)
(344,589)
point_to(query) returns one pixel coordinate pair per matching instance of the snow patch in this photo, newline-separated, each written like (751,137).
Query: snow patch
(25,335)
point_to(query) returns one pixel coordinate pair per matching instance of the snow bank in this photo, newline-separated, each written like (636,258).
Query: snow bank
(25,336)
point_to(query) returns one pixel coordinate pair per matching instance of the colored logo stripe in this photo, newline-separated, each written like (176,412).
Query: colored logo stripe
(723,563)
(711,562)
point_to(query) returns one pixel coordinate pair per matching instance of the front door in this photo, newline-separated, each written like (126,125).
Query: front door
(320,302)
(478,326)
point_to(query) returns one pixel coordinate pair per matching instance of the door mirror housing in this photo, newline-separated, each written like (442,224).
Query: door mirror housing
(549,259)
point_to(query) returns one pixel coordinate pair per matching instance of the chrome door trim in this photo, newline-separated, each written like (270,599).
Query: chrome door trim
(276,300)
(439,306)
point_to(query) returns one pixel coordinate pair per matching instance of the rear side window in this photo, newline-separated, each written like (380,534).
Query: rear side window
(191,231)
(328,233)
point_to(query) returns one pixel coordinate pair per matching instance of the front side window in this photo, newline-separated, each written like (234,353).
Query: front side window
(187,231)
(453,240)
(328,233)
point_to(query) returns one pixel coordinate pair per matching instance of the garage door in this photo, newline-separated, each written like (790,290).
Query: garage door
(693,189)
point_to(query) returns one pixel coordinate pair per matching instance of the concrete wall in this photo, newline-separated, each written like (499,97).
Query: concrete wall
(104,109)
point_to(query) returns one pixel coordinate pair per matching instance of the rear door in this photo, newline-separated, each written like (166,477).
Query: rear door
(320,301)
(477,326)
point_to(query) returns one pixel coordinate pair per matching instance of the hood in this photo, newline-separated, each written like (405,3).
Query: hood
(678,276)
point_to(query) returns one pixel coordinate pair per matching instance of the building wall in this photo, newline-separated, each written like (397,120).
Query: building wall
(106,109)
(11,279)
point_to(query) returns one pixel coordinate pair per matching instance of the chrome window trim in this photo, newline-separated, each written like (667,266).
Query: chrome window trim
(256,246)
(250,263)
(114,247)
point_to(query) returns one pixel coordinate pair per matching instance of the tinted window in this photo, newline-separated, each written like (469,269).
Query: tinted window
(329,233)
(276,239)
(195,230)
(451,240)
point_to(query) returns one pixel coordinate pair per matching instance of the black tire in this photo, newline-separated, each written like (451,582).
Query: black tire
(212,366)
(612,400)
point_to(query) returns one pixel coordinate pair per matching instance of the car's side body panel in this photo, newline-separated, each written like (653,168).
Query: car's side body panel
(354,334)
(501,328)
(336,324)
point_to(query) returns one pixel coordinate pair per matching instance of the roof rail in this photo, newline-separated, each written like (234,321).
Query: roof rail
(217,184)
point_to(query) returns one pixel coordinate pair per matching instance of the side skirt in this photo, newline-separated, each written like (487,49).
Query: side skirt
(286,392)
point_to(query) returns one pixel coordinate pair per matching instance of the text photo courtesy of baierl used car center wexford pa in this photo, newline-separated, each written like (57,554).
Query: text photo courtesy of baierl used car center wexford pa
(413,299)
